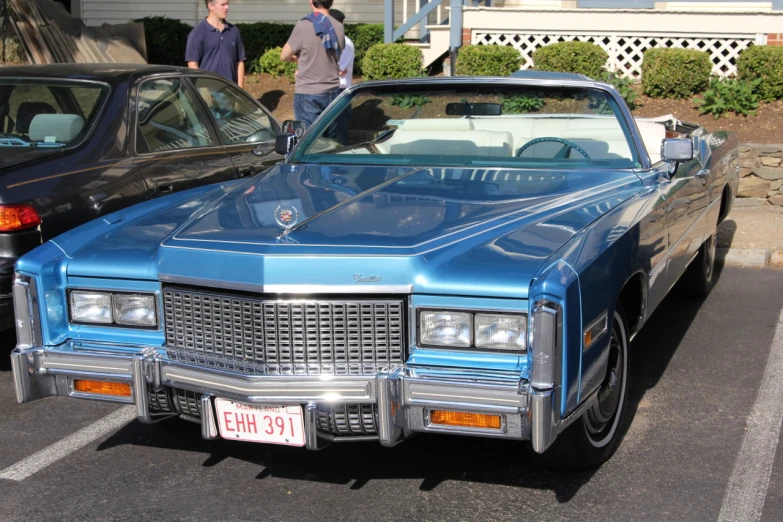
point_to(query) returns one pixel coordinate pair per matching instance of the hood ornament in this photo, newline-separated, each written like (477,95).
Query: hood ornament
(287,216)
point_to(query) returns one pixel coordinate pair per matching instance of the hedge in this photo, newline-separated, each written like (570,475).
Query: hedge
(675,73)
(488,60)
(385,61)
(571,57)
(271,63)
(763,63)
(166,39)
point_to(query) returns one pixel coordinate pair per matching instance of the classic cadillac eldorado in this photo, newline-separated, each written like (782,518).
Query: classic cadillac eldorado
(462,256)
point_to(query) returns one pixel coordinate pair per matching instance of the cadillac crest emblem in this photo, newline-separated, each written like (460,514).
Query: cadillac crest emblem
(286,217)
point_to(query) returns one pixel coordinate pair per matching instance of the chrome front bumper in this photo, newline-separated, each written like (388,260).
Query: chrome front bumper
(403,396)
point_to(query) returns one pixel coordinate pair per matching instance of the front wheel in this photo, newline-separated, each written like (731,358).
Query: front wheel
(594,437)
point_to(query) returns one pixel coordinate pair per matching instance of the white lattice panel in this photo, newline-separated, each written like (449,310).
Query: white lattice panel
(626,51)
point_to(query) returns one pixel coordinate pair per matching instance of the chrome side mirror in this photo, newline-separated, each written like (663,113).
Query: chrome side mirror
(285,143)
(677,150)
(293,127)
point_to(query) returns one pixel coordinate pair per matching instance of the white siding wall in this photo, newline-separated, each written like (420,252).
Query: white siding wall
(97,12)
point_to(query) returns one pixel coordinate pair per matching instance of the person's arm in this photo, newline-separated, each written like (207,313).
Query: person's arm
(193,50)
(287,54)
(192,65)
(241,74)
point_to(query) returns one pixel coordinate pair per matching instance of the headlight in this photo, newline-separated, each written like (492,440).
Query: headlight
(446,329)
(91,307)
(135,310)
(501,332)
(106,308)
(483,331)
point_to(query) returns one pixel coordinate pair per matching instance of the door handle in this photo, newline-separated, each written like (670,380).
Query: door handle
(702,173)
(246,171)
(164,188)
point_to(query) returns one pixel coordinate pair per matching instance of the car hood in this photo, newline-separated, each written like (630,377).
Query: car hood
(459,231)
(14,156)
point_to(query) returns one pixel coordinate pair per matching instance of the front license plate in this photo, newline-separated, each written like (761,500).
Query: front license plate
(270,423)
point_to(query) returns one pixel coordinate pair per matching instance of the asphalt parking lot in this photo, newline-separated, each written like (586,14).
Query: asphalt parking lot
(700,445)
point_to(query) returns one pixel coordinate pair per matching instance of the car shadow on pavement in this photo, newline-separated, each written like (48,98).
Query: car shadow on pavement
(432,459)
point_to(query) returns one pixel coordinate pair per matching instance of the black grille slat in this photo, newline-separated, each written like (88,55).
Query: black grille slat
(295,337)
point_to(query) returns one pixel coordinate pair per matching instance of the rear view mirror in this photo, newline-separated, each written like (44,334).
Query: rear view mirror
(464,108)
(285,143)
(677,150)
(293,127)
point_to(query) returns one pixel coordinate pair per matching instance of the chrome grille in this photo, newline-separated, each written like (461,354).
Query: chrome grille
(289,336)
(343,420)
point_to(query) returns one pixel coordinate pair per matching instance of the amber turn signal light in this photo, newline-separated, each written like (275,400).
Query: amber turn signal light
(18,217)
(464,419)
(121,389)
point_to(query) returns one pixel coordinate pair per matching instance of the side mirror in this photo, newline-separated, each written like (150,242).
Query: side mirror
(677,150)
(265,148)
(285,143)
(293,127)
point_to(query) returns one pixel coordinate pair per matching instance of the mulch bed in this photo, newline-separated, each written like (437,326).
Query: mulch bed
(277,94)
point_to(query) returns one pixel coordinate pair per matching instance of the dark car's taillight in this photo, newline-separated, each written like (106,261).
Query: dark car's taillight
(18,217)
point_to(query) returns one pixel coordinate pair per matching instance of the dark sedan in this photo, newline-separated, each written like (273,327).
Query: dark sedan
(81,141)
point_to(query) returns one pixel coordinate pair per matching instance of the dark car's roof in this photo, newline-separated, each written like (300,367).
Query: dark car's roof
(104,72)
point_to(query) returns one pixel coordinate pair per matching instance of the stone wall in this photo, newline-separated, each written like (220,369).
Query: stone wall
(761,175)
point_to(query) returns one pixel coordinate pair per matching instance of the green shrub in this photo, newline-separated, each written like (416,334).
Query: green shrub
(488,60)
(571,57)
(271,63)
(259,37)
(763,63)
(675,73)
(166,39)
(624,86)
(523,103)
(363,37)
(406,101)
(724,96)
(384,61)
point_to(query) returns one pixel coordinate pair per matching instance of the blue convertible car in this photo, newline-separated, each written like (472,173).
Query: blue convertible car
(464,256)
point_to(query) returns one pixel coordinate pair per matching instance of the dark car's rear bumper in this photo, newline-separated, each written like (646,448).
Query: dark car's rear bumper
(13,245)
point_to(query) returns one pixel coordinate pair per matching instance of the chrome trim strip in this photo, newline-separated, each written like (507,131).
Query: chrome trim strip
(541,434)
(209,429)
(288,289)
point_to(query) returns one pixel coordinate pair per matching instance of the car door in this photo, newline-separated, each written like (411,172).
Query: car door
(175,143)
(245,128)
(687,200)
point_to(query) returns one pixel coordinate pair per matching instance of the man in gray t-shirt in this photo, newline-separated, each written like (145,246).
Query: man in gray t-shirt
(315,45)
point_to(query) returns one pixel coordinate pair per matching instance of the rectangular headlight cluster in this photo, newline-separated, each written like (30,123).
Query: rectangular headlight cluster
(108,308)
(486,331)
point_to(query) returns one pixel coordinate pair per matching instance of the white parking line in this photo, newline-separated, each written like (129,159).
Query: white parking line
(38,461)
(749,480)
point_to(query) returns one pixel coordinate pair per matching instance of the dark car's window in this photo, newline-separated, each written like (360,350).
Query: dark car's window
(168,118)
(239,119)
(48,113)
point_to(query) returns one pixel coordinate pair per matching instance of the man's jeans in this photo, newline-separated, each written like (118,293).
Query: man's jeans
(307,108)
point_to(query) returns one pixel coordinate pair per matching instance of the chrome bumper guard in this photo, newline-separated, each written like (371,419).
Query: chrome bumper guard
(403,396)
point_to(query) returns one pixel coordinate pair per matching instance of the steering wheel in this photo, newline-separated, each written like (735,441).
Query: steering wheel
(561,154)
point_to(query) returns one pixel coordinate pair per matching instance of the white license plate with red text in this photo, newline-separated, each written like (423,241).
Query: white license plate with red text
(269,423)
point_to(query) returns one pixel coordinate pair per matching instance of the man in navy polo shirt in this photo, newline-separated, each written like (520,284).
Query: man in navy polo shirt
(215,45)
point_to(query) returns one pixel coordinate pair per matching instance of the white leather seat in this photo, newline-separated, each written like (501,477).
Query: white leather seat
(450,143)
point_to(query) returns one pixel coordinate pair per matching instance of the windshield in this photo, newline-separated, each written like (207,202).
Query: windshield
(47,113)
(469,124)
